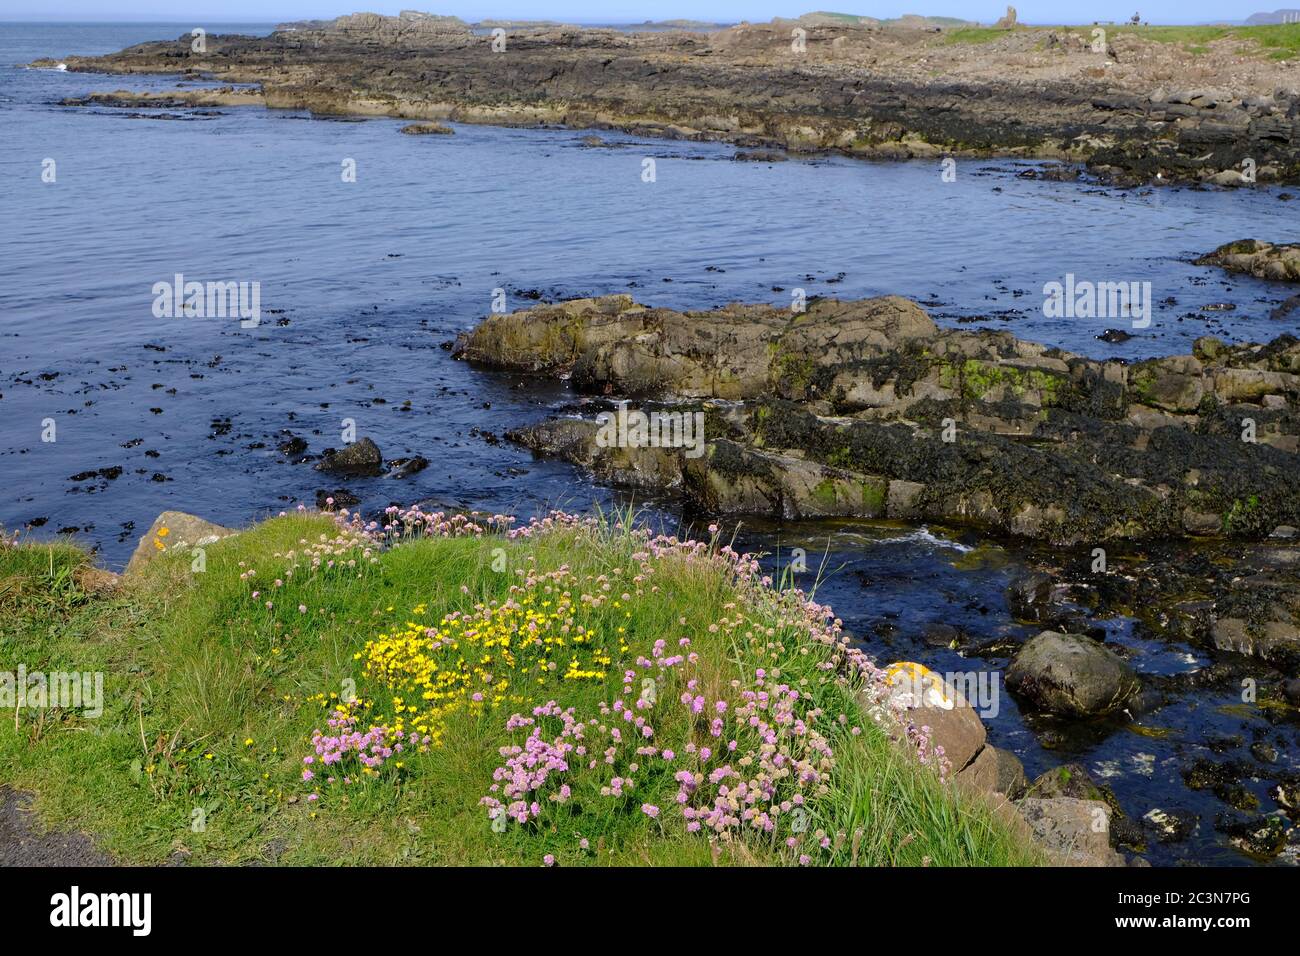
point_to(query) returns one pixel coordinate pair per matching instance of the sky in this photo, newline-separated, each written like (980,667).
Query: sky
(620,11)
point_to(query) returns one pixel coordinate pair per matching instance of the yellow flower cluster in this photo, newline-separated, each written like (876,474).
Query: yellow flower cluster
(499,654)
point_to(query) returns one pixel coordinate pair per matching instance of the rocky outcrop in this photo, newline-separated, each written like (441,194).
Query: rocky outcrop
(175,531)
(867,409)
(408,27)
(1276,641)
(1071,676)
(884,93)
(360,459)
(1260,259)
(427,129)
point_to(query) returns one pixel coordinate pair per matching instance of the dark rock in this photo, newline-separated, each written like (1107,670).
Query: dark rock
(1291,690)
(361,458)
(1037,598)
(1071,676)
(293,446)
(426,129)
(333,500)
(405,467)
(1171,826)
(941,635)
(1262,837)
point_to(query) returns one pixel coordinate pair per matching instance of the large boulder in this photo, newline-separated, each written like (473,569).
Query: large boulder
(929,701)
(995,770)
(175,531)
(1073,780)
(1074,832)
(1072,676)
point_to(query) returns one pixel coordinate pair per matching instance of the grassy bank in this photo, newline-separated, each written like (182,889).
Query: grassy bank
(572,692)
(1279,41)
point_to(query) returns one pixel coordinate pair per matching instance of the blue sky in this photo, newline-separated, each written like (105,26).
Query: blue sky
(1031,11)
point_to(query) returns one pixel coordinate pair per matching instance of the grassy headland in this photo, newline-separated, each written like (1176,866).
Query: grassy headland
(445,692)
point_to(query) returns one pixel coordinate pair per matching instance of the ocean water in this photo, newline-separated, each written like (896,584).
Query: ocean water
(363,285)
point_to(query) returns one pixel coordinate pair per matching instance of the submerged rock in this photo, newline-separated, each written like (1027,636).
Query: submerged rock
(338,498)
(1071,676)
(405,467)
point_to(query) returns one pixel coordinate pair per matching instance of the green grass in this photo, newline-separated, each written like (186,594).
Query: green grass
(195,669)
(1279,41)
(1282,39)
(973,35)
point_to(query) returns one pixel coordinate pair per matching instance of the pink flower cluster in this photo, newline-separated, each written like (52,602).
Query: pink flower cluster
(750,761)
(528,768)
(345,746)
(414,522)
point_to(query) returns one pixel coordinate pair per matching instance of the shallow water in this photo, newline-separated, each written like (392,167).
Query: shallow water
(363,284)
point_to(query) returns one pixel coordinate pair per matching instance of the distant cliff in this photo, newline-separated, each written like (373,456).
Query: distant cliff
(1277,16)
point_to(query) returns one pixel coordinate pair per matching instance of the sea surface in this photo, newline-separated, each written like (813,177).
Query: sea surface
(364,284)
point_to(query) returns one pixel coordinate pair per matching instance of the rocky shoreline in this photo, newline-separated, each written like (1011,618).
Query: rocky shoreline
(1139,111)
(867,409)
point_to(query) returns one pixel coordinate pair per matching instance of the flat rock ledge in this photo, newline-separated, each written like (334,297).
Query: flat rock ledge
(874,93)
(1260,259)
(867,409)
(427,129)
